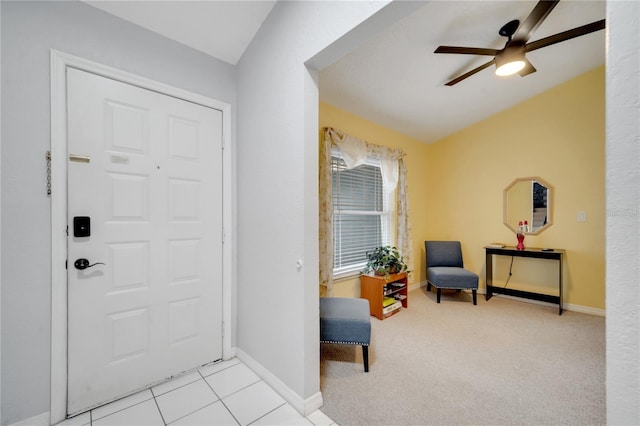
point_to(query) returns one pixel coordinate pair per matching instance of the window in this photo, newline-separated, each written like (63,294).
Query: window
(362,214)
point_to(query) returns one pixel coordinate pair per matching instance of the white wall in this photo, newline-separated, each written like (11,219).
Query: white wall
(29,30)
(623,213)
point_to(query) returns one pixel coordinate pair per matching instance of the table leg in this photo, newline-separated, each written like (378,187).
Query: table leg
(560,285)
(488,277)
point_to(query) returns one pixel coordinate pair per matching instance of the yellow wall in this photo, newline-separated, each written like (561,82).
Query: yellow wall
(456,186)
(559,136)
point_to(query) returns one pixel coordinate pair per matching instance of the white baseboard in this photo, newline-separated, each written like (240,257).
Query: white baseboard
(565,306)
(415,286)
(302,406)
(583,309)
(39,420)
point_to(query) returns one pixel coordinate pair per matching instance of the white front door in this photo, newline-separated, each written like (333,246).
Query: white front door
(146,169)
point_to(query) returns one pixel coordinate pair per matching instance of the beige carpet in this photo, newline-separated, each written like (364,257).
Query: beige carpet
(501,362)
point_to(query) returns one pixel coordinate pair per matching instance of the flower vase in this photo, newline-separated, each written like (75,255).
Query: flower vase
(520,245)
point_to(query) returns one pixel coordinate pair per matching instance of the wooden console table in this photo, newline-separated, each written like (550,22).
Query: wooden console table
(556,254)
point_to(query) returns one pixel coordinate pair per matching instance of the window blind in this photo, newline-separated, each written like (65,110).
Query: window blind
(359,214)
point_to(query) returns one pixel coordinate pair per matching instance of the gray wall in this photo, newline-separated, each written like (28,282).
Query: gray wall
(29,30)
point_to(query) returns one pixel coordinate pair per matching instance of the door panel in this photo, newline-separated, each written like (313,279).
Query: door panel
(153,189)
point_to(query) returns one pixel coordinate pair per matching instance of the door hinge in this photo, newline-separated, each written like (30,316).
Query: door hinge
(48,158)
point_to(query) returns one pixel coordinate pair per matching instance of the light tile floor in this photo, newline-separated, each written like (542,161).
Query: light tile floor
(224,393)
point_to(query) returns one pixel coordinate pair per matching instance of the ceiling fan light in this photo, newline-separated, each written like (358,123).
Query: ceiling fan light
(510,68)
(510,60)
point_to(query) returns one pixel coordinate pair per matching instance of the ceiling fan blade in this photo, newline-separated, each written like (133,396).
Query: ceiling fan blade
(533,21)
(565,35)
(528,68)
(470,73)
(466,50)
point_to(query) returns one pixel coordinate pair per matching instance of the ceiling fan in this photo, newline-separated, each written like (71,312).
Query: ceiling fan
(511,58)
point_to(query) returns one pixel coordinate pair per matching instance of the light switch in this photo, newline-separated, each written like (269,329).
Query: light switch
(582,216)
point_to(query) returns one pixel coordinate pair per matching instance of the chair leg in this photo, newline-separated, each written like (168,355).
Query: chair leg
(365,357)
(438,294)
(428,286)
(475,297)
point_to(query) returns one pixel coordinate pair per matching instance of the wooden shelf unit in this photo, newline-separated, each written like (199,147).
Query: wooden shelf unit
(372,288)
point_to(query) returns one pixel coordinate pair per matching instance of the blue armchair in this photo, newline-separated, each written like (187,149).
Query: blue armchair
(445,268)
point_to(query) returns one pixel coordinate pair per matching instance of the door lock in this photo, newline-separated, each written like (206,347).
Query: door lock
(81,226)
(84,264)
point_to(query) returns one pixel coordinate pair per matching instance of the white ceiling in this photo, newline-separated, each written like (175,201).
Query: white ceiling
(222,29)
(395,79)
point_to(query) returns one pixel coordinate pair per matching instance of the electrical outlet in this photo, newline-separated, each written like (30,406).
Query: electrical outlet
(582,216)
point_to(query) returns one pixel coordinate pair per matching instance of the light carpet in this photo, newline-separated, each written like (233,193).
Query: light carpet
(501,362)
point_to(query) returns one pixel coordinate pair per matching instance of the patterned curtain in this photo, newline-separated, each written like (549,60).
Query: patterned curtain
(388,158)
(326,218)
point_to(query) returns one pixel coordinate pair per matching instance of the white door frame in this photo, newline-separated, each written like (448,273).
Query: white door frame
(59,63)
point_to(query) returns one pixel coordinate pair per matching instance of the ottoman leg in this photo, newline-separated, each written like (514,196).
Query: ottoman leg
(365,357)
(475,297)
(438,294)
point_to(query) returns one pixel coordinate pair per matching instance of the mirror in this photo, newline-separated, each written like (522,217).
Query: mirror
(527,199)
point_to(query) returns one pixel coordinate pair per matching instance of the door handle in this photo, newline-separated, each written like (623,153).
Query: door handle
(84,264)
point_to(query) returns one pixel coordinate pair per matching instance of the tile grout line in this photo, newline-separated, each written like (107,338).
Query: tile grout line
(219,399)
(202,377)
(174,389)
(194,411)
(269,412)
(117,411)
(188,414)
(158,406)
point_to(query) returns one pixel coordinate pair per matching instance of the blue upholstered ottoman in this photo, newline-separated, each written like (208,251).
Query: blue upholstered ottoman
(346,320)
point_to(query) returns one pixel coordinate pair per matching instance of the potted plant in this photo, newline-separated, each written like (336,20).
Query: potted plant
(385,260)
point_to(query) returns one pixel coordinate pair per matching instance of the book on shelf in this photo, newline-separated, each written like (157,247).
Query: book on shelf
(386,301)
(392,308)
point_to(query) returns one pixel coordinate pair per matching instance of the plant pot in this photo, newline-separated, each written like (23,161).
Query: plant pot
(381,273)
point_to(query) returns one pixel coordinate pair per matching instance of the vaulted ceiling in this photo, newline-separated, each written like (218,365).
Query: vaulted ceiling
(395,79)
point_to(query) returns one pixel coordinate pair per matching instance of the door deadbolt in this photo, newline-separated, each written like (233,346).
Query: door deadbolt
(84,264)
(81,226)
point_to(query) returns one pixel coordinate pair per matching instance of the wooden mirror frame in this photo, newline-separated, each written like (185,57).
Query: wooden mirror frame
(505,209)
